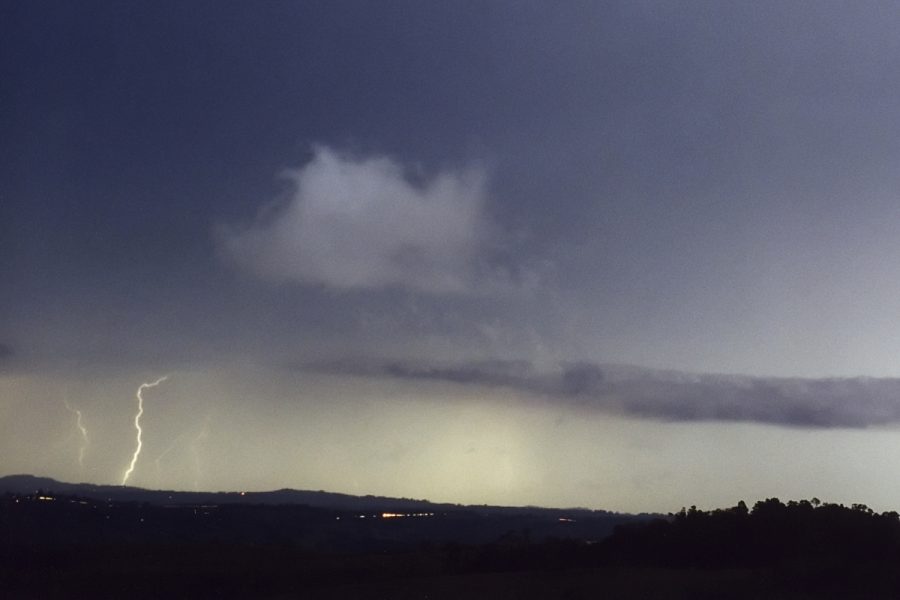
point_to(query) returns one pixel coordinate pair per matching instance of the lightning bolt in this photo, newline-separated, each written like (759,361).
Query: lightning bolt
(195,451)
(79,422)
(137,424)
(158,460)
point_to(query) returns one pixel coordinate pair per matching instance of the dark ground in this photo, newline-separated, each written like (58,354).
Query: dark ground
(73,547)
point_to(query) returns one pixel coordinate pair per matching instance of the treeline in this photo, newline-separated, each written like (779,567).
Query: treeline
(772,533)
(792,538)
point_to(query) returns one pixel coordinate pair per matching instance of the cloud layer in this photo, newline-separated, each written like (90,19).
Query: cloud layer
(362,223)
(6,355)
(670,395)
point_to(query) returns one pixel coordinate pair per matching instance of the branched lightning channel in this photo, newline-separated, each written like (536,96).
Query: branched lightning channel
(137,424)
(79,422)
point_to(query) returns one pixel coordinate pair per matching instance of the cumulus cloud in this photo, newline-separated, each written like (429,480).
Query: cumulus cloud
(670,395)
(363,223)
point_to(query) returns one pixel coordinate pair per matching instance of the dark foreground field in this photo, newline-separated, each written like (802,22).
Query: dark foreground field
(266,572)
(57,546)
(616,583)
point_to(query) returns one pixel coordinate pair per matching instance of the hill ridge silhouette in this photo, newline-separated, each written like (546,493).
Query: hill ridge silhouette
(29,484)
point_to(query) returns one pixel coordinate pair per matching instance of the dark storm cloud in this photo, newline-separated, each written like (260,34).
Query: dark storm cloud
(665,160)
(667,395)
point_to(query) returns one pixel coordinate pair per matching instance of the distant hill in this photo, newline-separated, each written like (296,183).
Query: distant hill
(49,512)
(30,484)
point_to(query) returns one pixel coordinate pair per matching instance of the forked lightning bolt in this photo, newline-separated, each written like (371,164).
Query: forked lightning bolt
(137,425)
(84,434)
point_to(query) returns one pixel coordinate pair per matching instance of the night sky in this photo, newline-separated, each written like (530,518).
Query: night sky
(623,255)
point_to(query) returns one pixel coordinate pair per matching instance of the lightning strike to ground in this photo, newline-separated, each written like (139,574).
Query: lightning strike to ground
(158,460)
(195,451)
(137,425)
(79,423)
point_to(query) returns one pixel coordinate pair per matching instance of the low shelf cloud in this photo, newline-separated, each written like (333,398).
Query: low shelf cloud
(6,355)
(663,395)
